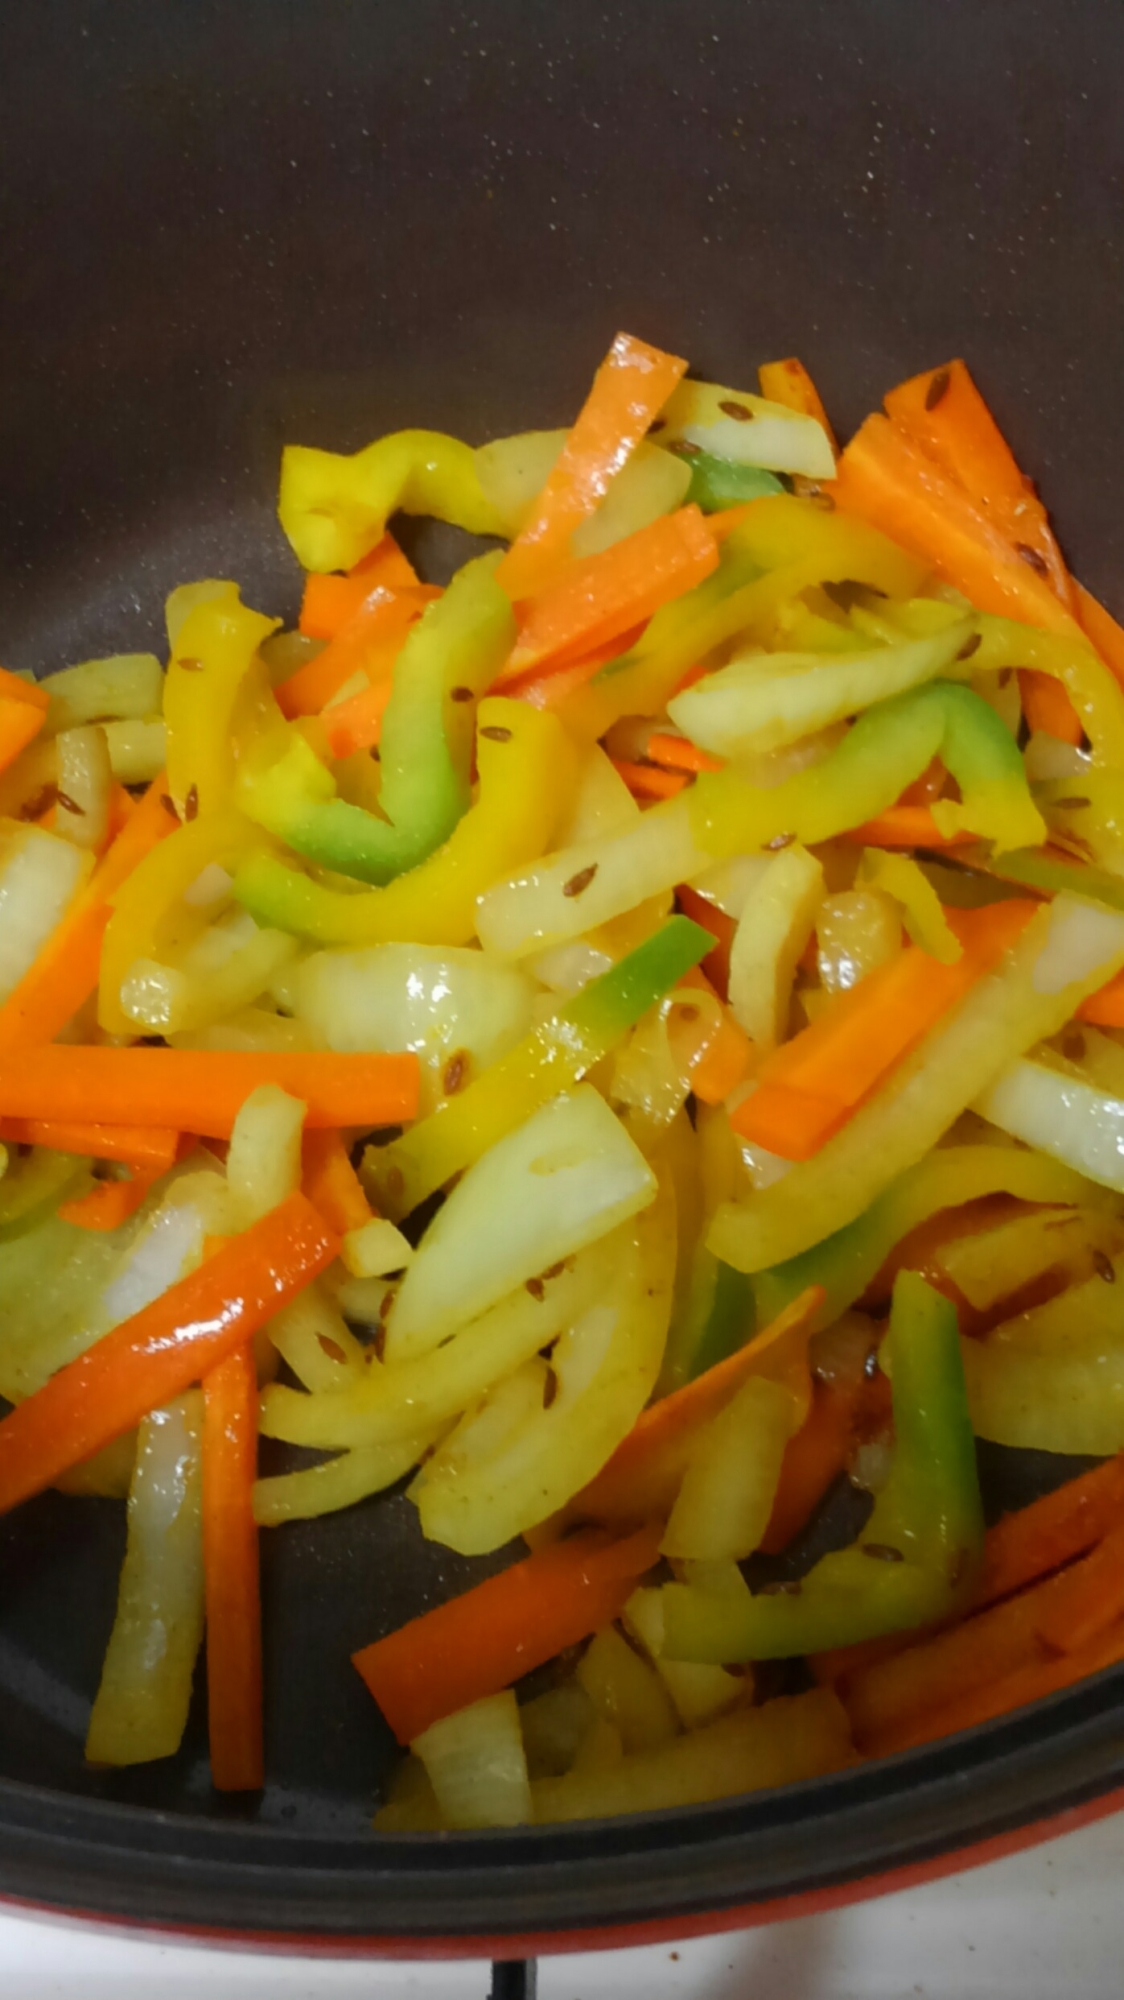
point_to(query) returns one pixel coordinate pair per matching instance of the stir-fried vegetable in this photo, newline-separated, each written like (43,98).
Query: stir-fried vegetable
(524,1041)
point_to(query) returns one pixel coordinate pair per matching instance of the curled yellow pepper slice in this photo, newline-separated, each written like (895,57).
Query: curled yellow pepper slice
(334,505)
(214,651)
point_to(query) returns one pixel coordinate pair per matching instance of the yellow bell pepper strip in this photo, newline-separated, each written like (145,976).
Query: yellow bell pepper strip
(449,659)
(527,765)
(789,382)
(846,1262)
(889,746)
(897,876)
(1065,953)
(920,1551)
(1093,689)
(214,650)
(553,1058)
(334,505)
(779,547)
(150,915)
(629,389)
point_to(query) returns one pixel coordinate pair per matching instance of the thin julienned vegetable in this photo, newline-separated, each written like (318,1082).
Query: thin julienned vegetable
(526,1036)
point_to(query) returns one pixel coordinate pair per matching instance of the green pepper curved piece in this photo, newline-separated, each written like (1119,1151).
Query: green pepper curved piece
(450,657)
(334,506)
(920,1549)
(890,745)
(718,482)
(553,1058)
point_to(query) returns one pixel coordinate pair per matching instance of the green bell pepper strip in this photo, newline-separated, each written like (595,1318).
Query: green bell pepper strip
(845,1263)
(553,1058)
(450,657)
(718,482)
(920,1549)
(890,745)
(1036,868)
(334,506)
(528,769)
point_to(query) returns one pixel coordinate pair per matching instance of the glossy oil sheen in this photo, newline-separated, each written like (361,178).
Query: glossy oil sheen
(318,220)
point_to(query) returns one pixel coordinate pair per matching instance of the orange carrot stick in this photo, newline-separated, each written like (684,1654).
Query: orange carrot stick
(202,1090)
(1102,630)
(383,615)
(109,1204)
(162,1350)
(851,1045)
(134,1145)
(331,1182)
(642,1478)
(727,1057)
(330,602)
(1106,1008)
(905,826)
(650,781)
(20,722)
(1047,706)
(813,1458)
(14,688)
(629,389)
(479,1643)
(231,1573)
(1051,1530)
(889,480)
(592,602)
(356,724)
(791,1123)
(944,412)
(789,382)
(716,964)
(66,970)
(680,754)
(887,1699)
(552,687)
(1015,1690)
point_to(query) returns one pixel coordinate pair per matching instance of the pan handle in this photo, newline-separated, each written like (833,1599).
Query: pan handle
(514,1979)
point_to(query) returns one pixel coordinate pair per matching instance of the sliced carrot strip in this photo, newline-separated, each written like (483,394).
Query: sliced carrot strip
(331,1182)
(726,1061)
(642,1478)
(650,781)
(231,1574)
(162,1350)
(813,1458)
(716,964)
(1101,628)
(109,1204)
(20,722)
(789,382)
(14,688)
(905,826)
(678,753)
(629,389)
(66,970)
(552,687)
(791,1123)
(1047,706)
(889,480)
(383,615)
(1106,1008)
(135,1145)
(1016,1690)
(203,1089)
(479,1643)
(330,602)
(356,724)
(593,602)
(944,412)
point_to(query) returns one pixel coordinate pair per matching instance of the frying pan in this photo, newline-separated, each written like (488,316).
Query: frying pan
(226,226)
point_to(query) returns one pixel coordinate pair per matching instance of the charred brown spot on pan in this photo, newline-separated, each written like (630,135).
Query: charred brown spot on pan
(549,1388)
(1104,1267)
(460,694)
(971,645)
(496,733)
(71,805)
(455,1073)
(778,841)
(579,883)
(938,388)
(740,412)
(1031,558)
(191,803)
(883,1552)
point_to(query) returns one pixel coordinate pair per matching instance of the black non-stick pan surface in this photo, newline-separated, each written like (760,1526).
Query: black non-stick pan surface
(225,226)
